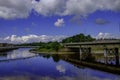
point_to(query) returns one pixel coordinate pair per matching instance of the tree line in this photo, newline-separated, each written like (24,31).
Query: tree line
(55,46)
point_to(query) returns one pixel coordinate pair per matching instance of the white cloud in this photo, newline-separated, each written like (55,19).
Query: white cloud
(74,7)
(59,22)
(107,36)
(49,7)
(10,9)
(31,38)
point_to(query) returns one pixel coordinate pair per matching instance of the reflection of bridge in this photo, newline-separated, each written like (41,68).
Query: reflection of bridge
(109,47)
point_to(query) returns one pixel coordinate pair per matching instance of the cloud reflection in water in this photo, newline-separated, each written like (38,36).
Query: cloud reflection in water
(60,68)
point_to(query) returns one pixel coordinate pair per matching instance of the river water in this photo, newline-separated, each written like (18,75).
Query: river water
(20,64)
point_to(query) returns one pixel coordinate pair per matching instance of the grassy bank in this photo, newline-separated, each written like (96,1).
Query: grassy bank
(51,51)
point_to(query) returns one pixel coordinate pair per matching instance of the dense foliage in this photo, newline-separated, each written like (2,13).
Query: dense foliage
(78,38)
(53,46)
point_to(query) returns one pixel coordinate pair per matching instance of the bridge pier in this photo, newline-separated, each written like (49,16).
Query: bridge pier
(80,53)
(105,55)
(117,56)
(111,53)
(85,53)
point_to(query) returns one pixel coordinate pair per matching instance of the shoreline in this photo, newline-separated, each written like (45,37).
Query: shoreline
(52,52)
(7,49)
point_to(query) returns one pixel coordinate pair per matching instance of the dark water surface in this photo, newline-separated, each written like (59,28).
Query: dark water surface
(20,65)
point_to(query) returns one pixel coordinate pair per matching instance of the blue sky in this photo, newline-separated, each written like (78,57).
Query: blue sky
(58,18)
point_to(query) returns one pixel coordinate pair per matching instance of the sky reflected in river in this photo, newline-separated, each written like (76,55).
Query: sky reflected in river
(41,68)
(15,54)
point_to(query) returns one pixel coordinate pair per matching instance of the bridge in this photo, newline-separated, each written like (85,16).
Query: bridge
(110,49)
(113,42)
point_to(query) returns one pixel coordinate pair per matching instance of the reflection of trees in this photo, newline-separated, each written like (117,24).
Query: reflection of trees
(3,54)
(75,56)
(46,56)
(88,57)
(56,57)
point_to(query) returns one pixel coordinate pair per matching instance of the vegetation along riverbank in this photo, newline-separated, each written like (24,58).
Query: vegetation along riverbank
(5,49)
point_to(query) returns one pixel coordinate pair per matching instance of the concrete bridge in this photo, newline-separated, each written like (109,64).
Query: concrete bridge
(102,42)
(110,49)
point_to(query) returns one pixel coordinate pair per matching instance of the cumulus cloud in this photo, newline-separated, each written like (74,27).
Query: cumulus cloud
(107,36)
(101,21)
(74,7)
(59,22)
(31,38)
(10,9)
(49,7)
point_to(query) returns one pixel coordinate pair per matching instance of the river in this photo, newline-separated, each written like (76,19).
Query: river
(20,64)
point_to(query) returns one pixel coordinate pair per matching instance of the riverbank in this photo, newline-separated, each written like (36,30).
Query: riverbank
(49,51)
(4,49)
(53,52)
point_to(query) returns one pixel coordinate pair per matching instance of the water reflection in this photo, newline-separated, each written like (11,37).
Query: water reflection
(56,57)
(47,67)
(59,78)
(16,54)
(60,68)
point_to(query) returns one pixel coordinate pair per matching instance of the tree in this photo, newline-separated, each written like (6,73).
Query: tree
(55,46)
(78,38)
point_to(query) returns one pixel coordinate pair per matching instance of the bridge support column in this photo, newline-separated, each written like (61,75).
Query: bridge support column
(105,55)
(117,56)
(80,52)
(85,53)
(89,50)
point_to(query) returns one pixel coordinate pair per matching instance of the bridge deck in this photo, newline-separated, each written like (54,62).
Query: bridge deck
(95,43)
